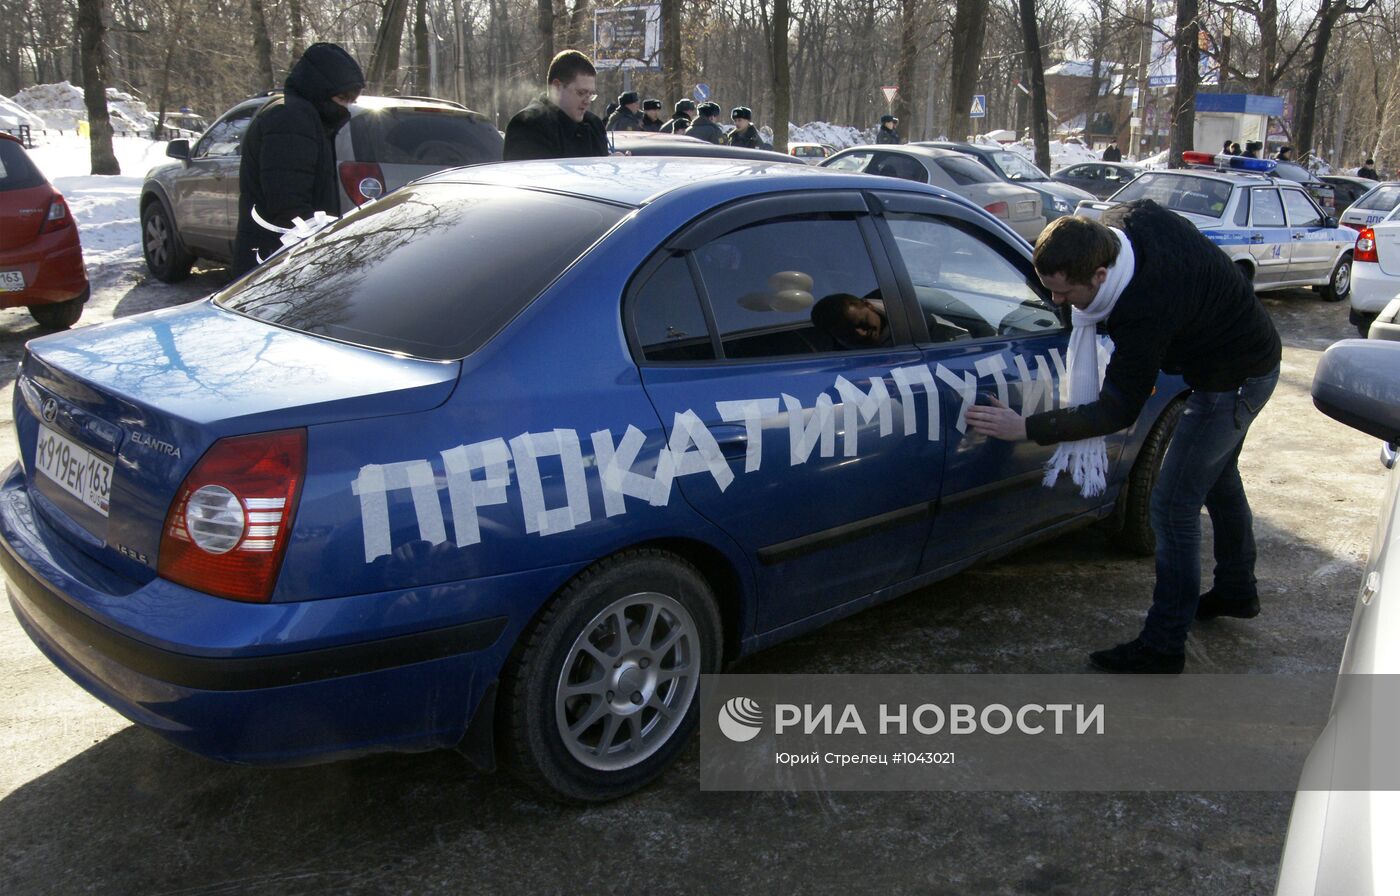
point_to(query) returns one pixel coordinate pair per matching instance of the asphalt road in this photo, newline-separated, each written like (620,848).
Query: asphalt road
(89,803)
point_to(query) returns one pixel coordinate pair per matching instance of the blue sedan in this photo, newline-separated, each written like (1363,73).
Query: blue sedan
(507,459)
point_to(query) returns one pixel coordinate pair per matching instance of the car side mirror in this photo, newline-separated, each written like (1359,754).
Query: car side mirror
(1329,222)
(178,149)
(1358,383)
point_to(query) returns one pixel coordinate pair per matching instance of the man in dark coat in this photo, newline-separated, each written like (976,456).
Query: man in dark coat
(685,113)
(744,133)
(705,127)
(1368,170)
(628,116)
(1171,301)
(558,125)
(1112,153)
(887,132)
(287,168)
(651,116)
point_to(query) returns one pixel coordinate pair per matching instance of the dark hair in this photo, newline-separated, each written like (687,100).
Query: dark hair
(567,65)
(1075,248)
(829,314)
(1370,161)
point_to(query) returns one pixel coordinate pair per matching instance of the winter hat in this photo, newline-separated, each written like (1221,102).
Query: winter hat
(685,106)
(743,112)
(888,118)
(648,105)
(323,71)
(628,98)
(709,110)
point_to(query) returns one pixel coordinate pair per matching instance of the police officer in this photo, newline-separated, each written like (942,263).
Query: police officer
(651,115)
(628,116)
(744,133)
(685,112)
(705,127)
(887,132)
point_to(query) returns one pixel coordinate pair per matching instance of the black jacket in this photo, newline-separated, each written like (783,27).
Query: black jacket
(1112,154)
(1363,171)
(705,129)
(1187,310)
(749,139)
(887,135)
(678,125)
(625,119)
(653,126)
(544,131)
(287,168)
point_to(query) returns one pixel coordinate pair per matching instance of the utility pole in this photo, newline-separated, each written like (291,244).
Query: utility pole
(1140,103)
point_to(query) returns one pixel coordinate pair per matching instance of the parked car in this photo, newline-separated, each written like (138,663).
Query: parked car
(180,124)
(648,143)
(1057,199)
(41,259)
(1018,206)
(1374,206)
(189,207)
(1375,278)
(1348,189)
(1387,323)
(1270,228)
(506,460)
(1323,193)
(811,153)
(1101,179)
(1342,841)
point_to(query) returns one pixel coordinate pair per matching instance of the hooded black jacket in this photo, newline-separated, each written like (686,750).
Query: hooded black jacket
(288,157)
(1187,310)
(544,131)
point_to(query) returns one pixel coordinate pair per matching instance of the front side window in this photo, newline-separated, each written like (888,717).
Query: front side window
(1301,211)
(792,286)
(225,138)
(967,289)
(1084,172)
(1017,168)
(854,162)
(1268,210)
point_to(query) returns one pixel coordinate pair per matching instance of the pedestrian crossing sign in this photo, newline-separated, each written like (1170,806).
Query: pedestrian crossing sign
(979,105)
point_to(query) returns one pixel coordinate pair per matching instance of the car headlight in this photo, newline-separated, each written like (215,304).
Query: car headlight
(1061,205)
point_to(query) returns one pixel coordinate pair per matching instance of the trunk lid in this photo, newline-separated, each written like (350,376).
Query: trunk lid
(22,214)
(1388,246)
(111,419)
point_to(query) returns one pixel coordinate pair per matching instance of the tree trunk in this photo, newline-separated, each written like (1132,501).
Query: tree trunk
(580,25)
(164,95)
(782,83)
(262,49)
(384,58)
(545,24)
(969,28)
(1188,67)
(90,32)
(1268,46)
(908,64)
(671,49)
(1040,118)
(422,53)
(1328,14)
(298,28)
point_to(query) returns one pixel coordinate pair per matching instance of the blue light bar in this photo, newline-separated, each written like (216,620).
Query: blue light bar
(1234,163)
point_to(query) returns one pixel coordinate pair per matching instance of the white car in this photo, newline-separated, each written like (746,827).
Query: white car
(1342,842)
(1372,206)
(1375,270)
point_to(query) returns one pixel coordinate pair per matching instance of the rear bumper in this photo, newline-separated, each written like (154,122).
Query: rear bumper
(1371,288)
(281,697)
(53,270)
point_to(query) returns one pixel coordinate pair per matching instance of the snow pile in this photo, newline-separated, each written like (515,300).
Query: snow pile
(839,136)
(12,115)
(60,106)
(1062,153)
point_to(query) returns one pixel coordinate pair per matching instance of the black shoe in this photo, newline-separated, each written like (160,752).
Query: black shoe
(1136,656)
(1213,605)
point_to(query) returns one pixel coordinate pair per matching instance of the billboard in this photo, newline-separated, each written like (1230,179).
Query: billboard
(627,37)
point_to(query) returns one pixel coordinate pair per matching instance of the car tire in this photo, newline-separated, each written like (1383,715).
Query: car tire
(166,258)
(567,728)
(59,315)
(1135,535)
(1339,284)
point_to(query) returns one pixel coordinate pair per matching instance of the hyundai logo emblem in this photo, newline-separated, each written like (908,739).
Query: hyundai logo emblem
(50,410)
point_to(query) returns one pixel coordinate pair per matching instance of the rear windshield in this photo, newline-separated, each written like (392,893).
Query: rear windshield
(431,270)
(16,171)
(1380,199)
(442,138)
(1180,193)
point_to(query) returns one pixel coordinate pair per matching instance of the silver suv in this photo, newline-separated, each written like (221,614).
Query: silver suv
(189,207)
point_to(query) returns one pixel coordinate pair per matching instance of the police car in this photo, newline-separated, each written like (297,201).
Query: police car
(1271,228)
(1373,207)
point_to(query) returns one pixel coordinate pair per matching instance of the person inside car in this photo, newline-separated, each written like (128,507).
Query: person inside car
(852,321)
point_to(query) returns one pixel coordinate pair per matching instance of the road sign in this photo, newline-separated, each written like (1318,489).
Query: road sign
(979,106)
(702,92)
(627,38)
(890,94)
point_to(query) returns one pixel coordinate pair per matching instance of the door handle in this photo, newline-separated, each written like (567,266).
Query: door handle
(1298,236)
(1256,237)
(733,439)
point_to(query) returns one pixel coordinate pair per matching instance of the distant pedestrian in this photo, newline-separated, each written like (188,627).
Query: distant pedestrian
(1235,150)
(1228,149)
(1112,153)
(685,114)
(744,133)
(1251,149)
(558,125)
(888,132)
(705,127)
(628,116)
(1368,170)
(651,115)
(287,169)
(1284,154)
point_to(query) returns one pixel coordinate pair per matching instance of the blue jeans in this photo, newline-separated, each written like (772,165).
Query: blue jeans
(1201,468)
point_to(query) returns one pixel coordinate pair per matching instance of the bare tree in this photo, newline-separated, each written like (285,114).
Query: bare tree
(969,28)
(1035,65)
(782,85)
(90,34)
(545,24)
(1188,67)
(384,58)
(265,74)
(1329,14)
(910,33)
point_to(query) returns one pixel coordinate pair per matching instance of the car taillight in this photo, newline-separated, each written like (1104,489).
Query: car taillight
(1365,246)
(227,529)
(1000,209)
(1353,225)
(57,216)
(362,181)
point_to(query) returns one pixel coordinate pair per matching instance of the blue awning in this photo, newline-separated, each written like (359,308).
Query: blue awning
(1240,103)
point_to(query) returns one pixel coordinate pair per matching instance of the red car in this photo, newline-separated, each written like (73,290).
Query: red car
(41,262)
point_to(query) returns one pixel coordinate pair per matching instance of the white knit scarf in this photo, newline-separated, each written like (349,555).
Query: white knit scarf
(1087,459)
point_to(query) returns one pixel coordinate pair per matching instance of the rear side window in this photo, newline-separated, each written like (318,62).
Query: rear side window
(965,171)
(1380,199)
(17,172)
(431,270)
(443,138)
